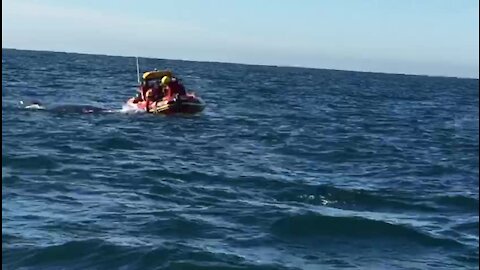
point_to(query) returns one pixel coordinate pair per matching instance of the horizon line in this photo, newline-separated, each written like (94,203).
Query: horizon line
(246,64)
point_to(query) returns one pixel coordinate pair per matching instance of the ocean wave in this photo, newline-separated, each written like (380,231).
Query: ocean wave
(469,226)
(178,227)
(459,201)
(359,200)
(100,254)
(314,225)
(31,162)
(10,238)
(115,143)
(470,258)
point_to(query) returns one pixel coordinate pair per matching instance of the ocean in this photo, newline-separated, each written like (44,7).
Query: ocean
(286,168)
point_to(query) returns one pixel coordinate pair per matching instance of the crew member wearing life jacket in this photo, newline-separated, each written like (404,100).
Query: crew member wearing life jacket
(153,94)
(172,87)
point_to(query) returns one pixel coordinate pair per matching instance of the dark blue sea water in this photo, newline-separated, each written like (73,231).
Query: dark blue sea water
(286,168)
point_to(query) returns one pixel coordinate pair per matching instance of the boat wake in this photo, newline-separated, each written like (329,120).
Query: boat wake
(129,109)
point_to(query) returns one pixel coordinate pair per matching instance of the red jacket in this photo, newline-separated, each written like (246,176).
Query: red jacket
(174,88)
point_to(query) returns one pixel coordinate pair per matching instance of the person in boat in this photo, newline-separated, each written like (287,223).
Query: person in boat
(172,87)
(141,93)
(149,91)
(154,93)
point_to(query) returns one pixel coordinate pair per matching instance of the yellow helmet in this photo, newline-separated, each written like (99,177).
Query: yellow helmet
(165,80)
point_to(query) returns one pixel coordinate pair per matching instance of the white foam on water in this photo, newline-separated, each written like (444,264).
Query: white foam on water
(35,107)
(130,109)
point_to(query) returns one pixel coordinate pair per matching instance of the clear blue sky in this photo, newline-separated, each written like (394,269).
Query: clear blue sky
(434,37)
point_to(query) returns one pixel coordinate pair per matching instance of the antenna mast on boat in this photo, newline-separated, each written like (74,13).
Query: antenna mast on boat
(138,71)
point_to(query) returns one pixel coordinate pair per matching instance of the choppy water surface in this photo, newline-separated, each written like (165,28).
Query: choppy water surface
(286,168)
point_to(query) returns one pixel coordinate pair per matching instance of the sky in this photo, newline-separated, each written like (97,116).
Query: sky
(427,37)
